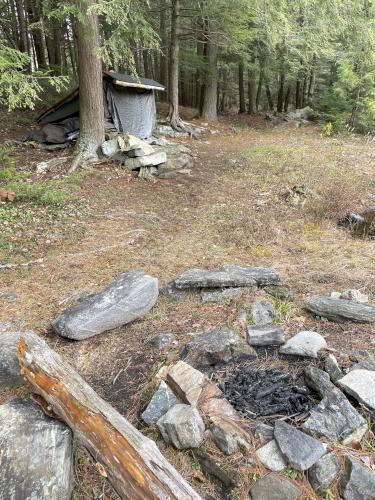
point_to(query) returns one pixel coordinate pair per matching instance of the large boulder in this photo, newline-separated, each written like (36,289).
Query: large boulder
(358,483)
(341,310)
(36,453)
(302,451)
(182,426)
(10,374)
(227,276)
(218,346)
(361,385)
(130,297)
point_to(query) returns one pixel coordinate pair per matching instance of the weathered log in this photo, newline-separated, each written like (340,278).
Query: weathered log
(133,463)
(341,310)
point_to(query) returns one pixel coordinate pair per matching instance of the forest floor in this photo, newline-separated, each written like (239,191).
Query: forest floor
(225,212)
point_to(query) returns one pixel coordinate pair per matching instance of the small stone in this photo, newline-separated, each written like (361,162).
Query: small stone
(223,296)
(302,451)
(36,453)
(163,340)
(354,295)
(49,165)
(211,348)
(331,366)
(130,297)
(182,426)
(9,295)
(324,472)
(265,335)
(109,148)
(336,419)
(10,373)
(318,380)
(263,432)
(146,161)
(274,487)
(306,343)
(228,436)
(271,457)
(227,276)
(358,482)
(160,403)
(361,385)
(170,291)
(341,310)
(186,382)
(281,292)
(144,149)
(263,313)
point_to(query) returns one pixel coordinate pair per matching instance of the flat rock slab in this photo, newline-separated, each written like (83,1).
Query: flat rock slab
(318,380)
(341,310)
(271,457)
(358,482)
(229,435)
(305,343)
(186,382)
(227,276)
(265,335)
(146,161)
(130,297)
(302,451)
(223,295)
(263,313)
(36,453)
(274,487)
(336,419)
(324,472)
(160,403)
(361,385)
(207,349)
(10,374)
(182,426)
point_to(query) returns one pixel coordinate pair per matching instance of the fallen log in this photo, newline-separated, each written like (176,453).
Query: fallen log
(341,310)
(133,463)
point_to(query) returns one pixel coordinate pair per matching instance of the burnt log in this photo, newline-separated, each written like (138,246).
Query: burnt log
(132,462)
(341,310)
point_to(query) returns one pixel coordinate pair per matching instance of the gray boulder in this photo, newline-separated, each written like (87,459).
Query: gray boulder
(302,451)
(271,457)
(163,340)
(324,472)
(361,385)
(358,482)
(263,313)
(182,426)
(160,403)
(336,419)
(265,335)
(227,276)
(263,432)
(146,161)
(274,487)
(109,148)
(36,453)
(130,297)
(318,380)
(169,290)
(224,295)
(218,346)
(305,343)
(341,310)
(229,435)
(10,374)
(331,366)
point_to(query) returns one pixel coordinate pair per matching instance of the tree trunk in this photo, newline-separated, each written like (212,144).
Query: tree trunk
(259,89)
(90,81)
(241,87)
(311,90)
(134,465)
(37,34)
(269,95)
(280,95)
(251,92)
(298,93)
(209,107)
(287,98)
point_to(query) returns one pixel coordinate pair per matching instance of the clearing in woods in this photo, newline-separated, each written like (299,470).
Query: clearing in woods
(232,209)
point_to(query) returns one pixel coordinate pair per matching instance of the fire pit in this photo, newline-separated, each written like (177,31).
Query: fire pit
(265,392)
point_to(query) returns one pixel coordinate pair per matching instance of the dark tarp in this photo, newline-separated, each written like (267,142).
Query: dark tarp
(54,133)
(132,110)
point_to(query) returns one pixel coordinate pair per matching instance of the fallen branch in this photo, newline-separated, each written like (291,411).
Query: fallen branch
(133,463)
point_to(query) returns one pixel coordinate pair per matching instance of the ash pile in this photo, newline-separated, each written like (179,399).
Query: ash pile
(255,393)
(153,157)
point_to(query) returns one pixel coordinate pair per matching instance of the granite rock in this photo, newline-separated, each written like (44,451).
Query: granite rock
(324,472)
(306,343)
(182,426)
(160,403)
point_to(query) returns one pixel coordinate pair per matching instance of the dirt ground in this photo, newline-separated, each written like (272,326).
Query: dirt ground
(231,209)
